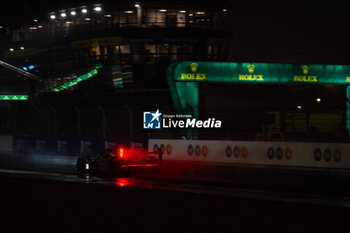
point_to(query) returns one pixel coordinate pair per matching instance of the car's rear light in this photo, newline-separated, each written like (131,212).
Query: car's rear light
(121,153)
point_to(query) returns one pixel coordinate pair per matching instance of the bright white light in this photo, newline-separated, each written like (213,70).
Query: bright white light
(128,12)
(32,28)
(63,15)
(87,19)
(318,100)
(182,12)
(299,106)
(40,26)
(163,10)
(137,5)
(190,14)
(108,16)
(21,48)
(97,9)
(224,10)
(87,166)
(11,49)
(73,13)
(52,17)
(84,11)
(35,20)
(200,13)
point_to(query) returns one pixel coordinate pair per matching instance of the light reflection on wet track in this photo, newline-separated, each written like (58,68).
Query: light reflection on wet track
(264,183)
(183,186)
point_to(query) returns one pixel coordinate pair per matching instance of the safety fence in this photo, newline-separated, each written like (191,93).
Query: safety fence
(73,146)
(323,155)
(299,154)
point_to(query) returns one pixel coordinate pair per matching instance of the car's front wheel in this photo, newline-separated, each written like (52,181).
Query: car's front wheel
(83,164)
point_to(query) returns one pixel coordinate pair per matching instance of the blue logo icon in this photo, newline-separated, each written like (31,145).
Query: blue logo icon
(151,120)
(228,151)
(317,154)
(190,150)
(270,153)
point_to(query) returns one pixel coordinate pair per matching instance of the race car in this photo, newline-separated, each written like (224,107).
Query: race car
(115,161)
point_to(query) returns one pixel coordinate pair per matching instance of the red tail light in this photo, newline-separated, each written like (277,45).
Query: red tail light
(121,153)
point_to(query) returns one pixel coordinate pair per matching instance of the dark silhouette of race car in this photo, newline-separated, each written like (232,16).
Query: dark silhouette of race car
(114,161)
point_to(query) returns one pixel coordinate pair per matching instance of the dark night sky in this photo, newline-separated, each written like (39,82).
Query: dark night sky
(291,32)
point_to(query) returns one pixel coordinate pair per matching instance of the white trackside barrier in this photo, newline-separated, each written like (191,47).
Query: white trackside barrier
(331,155)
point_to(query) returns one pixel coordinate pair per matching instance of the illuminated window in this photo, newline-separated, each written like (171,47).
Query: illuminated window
(131,19)
(116,49)
(151,17)
(122,20)
(160,19)
(163,48)
(150,48)
(181,20)
(210,49)
(125,49)
(215,50)
(175,51)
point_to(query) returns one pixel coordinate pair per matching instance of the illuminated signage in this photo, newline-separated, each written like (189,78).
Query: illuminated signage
(79,79)
(14,97)
(260,72)
(193,75)
(183,79)
(305,77)
(250,76)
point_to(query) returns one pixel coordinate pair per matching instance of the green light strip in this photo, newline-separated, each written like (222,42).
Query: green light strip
(79,79)
(14,97)
(348,109)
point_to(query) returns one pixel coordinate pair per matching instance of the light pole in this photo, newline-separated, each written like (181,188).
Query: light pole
(138,13)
